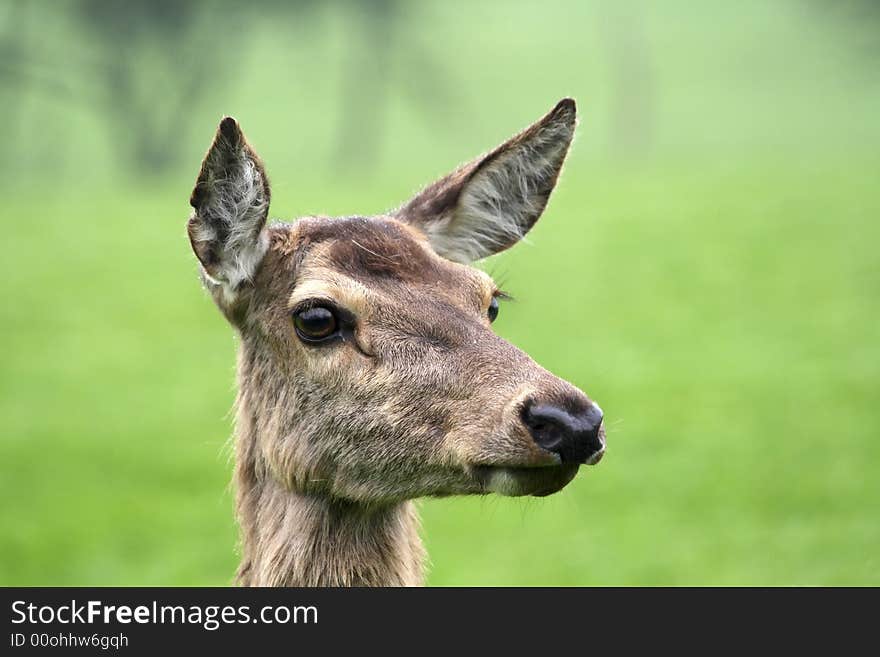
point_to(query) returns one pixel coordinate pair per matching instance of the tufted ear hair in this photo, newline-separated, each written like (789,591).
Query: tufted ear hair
(489,204)
(230,204)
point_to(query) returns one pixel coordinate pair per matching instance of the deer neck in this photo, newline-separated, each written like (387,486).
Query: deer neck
(292,538)
(308,540)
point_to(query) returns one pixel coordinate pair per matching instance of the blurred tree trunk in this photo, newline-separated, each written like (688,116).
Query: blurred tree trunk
(631,79)
(366,81)
(13,83)
(385,57)
(148,119)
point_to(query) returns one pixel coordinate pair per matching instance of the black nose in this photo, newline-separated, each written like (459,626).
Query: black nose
(575,437)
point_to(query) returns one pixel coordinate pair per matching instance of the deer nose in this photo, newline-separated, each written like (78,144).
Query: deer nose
(575,437)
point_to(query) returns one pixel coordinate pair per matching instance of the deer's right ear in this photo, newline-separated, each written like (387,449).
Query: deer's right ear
(230,203)
(489,204)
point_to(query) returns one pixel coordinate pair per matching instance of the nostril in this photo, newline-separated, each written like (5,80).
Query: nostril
(575,438)
(546,426)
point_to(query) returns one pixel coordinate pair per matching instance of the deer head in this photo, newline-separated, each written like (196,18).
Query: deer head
(369,371)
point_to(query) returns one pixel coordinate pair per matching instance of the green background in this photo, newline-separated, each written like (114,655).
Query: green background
(707,270)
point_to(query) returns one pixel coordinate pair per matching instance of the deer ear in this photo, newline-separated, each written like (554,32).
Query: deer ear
(488,205)
(230,202)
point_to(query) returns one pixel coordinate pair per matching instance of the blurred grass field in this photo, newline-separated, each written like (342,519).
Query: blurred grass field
(715,288)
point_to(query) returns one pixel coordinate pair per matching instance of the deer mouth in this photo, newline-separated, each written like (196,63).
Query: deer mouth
(519,481)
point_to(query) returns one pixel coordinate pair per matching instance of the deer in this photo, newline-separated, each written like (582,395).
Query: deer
(368,373)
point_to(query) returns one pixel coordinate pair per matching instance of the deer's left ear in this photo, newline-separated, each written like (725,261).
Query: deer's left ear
(231,203)
(488,205)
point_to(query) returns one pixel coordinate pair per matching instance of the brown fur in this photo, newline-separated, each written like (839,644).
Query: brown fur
(421,398)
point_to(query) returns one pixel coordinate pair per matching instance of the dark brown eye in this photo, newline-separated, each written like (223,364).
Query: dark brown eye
(493,309)
(315,324)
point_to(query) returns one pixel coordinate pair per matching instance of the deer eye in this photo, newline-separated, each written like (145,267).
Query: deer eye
(315,324)
(493,309)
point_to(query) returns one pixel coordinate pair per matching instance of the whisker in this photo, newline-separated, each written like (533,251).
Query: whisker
(378,255)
